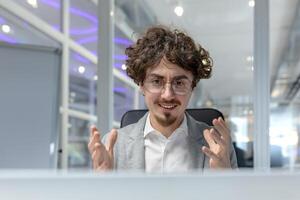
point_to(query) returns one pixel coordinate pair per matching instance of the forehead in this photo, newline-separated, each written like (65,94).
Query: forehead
(168,70)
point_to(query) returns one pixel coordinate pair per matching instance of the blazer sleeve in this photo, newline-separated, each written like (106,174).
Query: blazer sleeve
(104,140)
(233,159)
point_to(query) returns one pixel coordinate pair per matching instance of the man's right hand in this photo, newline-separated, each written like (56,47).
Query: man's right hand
(102,155)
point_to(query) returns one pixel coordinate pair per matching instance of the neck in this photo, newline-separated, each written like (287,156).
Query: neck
(166,130)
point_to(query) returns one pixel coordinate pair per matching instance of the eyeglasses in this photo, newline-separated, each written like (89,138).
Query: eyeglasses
(179,86)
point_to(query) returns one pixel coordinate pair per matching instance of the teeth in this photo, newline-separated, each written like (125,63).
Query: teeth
(168,106)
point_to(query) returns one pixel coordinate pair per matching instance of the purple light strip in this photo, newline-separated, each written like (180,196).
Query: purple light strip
(2,20)
(120,90)
(80,13)
(123,41)
(81,58)
(86,15)
(87,40)
(80,31)
(7,39)
(52,3)
(120,57)
(94,53)
(56,27)
(118,65)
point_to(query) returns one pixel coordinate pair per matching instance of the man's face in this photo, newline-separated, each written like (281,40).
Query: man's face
(167,105)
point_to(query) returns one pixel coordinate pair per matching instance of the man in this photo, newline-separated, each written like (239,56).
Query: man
(167,65)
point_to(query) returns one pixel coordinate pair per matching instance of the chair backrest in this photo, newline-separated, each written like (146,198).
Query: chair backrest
(205,115)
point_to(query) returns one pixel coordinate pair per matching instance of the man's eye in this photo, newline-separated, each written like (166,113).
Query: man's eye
(179,83)
(156,82)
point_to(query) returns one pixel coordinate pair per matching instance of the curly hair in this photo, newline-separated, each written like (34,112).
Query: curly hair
(176,46)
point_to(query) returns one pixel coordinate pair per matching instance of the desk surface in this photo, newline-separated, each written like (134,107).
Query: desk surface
(210,186)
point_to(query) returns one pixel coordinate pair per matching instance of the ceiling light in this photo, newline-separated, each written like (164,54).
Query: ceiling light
(178,11)
(95,77)
(33,3)
(124,67)
(251,3)
(81,69)
(250,58)
(5,28)
(275,93)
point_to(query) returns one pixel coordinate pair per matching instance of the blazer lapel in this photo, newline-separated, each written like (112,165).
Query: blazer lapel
(196,140)
(135,146)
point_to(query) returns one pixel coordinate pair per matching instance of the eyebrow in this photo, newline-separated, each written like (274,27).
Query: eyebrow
(173,78)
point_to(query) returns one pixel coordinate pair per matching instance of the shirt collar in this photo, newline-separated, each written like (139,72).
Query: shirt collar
(149,129)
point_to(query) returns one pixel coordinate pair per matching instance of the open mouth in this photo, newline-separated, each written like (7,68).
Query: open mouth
(168,106)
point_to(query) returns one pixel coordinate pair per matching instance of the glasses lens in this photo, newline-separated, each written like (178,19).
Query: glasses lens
(179,87)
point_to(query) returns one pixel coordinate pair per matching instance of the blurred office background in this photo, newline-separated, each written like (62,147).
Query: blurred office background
(224,27)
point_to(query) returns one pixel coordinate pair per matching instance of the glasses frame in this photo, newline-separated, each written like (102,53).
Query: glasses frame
(145,83)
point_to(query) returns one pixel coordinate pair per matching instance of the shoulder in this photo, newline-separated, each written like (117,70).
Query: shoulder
(132,131)
(194,124)
(122,132)
(127,129)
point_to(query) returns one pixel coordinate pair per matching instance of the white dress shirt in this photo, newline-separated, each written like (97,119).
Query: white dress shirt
(167,154)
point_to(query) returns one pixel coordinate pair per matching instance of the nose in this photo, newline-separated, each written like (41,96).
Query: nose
(167,93)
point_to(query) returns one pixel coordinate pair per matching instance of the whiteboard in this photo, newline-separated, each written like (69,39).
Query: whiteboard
(29,101)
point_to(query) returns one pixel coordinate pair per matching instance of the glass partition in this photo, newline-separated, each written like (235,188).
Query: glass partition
(84,24)
(78,139)
(284,76)
(83,84)
(123,99)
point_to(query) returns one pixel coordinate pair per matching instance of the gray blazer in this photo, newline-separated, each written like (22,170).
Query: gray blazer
(129,151)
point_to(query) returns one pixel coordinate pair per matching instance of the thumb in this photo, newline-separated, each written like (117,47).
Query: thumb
(112,138)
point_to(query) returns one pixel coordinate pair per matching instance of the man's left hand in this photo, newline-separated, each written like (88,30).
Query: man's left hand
(219,141)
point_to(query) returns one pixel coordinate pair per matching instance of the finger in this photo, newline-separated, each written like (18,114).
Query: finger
(93,128)
(222,121)
(208,138)
(103,167)
(94,159)
(209,153)
(223,124)
(112,138)
(91,144)
(96,156)
(95,139)
(217,138)
(221,128)
(218,126)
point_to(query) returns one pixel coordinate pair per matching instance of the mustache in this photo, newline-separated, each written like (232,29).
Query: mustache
(168,102)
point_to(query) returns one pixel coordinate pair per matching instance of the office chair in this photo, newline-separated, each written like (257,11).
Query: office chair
(205,115)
